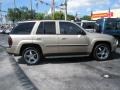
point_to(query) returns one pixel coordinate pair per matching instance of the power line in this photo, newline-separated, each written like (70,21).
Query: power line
(48,4)
(3,11)
(53,6)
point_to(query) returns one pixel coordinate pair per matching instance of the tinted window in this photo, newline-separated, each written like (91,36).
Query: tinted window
(89,25)
(40,28)
(79,24)
(46,28)
(23,28)
(69,28)
(112,25)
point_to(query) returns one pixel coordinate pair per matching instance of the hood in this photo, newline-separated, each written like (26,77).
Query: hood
(99,35)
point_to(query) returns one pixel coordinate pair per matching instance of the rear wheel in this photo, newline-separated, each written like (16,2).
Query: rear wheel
(31,56)
(101,52)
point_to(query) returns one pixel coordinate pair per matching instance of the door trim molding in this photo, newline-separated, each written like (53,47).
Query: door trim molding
(55,45)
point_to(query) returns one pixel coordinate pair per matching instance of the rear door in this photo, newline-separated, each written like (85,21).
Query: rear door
(46,37)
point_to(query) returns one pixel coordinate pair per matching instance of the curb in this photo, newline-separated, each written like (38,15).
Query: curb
(22,77)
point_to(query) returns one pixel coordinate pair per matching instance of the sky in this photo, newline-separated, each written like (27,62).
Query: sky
(81,7)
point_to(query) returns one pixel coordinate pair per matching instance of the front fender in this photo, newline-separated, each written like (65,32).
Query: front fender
(97,40)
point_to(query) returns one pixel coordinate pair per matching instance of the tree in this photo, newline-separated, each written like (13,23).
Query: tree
(70,17)
(11,14)
(39,16)
(59,16)
(47,17)
(86,17)
(22,13)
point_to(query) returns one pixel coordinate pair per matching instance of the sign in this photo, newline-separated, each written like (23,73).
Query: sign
(111,13)
(102,15)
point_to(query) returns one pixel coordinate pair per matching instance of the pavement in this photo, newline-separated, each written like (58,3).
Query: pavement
(60,73)
(11,75)
(74,74)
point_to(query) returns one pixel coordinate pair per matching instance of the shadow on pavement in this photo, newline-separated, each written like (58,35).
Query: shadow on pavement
(114,56)
(67,60)
(60,60)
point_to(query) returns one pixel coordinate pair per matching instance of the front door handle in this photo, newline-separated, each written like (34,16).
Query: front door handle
(64,38)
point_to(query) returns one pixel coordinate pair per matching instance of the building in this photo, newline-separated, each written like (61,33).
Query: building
(110,13)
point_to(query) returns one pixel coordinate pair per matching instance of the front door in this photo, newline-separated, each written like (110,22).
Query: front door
(71,39)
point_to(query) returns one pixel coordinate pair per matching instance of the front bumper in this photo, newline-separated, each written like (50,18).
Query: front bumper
(114,46)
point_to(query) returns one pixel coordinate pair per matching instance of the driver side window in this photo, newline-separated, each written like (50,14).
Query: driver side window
(69,28)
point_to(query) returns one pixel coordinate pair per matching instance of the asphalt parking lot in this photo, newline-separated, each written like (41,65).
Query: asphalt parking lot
(71,73)
(12,76)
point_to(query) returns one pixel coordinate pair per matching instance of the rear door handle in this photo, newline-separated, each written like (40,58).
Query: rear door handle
(39,39)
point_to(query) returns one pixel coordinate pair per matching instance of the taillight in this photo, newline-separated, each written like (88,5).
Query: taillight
(10,41)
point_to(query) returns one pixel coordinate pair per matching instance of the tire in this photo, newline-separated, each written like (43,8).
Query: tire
(101,52)
(31,56)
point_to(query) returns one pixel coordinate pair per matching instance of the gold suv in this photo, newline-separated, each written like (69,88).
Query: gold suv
(34,40)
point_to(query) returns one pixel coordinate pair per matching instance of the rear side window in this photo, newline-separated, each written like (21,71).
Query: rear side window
(46,28)
(23,28)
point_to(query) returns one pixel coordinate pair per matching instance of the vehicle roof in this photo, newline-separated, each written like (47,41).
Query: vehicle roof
(88,21)
(42,20)
(85,21)
(110,18)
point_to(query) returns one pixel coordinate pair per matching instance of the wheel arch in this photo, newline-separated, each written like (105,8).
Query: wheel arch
(102,42)
(30,45)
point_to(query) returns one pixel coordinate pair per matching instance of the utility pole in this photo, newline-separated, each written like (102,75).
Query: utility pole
(31,9)
(109,13)
(91,14)
(14,11)
(76,16)
(0,12)
(53,8)
(65,9)
(14,3)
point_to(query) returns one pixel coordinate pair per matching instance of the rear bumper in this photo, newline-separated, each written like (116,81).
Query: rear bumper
(12,51)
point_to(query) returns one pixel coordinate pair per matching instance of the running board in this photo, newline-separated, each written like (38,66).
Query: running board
(66,56)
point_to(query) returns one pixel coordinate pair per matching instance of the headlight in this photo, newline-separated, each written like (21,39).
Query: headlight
(116,42)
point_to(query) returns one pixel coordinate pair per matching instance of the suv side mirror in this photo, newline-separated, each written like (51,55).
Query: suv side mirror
(82,32)
(97,28)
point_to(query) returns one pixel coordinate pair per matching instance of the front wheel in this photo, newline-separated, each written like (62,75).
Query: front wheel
(101,52)
(31,56)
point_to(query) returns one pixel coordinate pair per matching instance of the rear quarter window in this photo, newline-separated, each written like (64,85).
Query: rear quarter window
(23,28)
